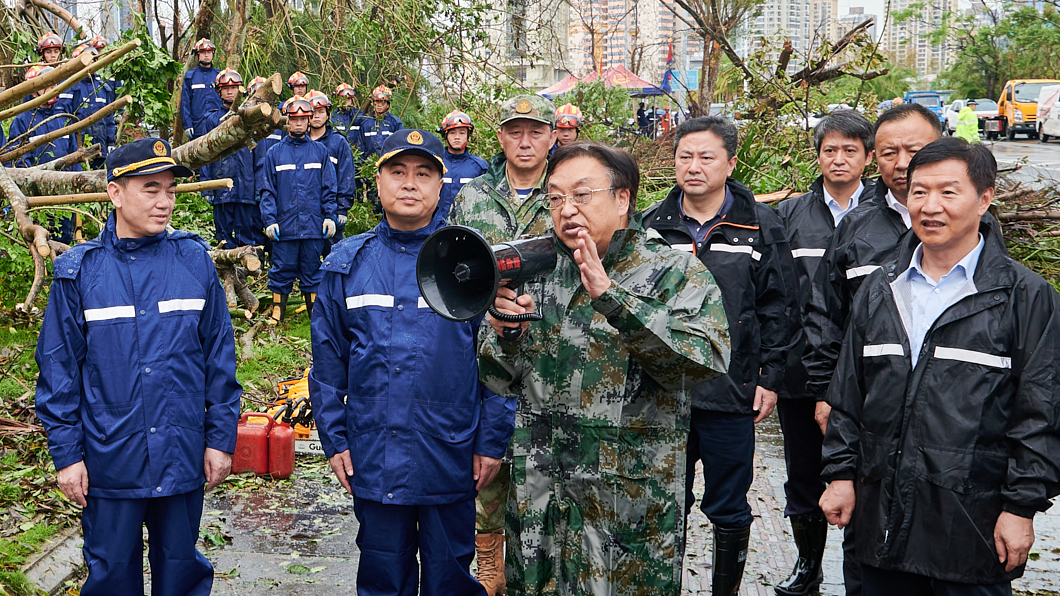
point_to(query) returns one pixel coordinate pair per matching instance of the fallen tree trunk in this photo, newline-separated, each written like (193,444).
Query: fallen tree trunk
(32,233)
(102,197)
(81,155)
(244,256)
(21,150)
(1027,215)
(68,69)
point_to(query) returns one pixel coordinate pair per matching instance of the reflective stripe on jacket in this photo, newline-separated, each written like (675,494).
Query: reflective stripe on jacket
(198,97)
(298,188)
(461,168)
(238,166)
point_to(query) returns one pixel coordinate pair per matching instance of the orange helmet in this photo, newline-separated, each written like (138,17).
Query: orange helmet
(318,99)
(99,42)
(36,71)
(227,78)
(81,49)
(381,92)
(203,45)
(297,106)
(344,90)
(568,116)
(254,84)
(456,119)
(49,40)
(297,79)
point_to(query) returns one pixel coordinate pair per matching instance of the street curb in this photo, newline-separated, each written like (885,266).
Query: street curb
(57,561)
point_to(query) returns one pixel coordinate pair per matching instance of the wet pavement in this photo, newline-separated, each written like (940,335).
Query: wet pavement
(1040,161)
(298,536)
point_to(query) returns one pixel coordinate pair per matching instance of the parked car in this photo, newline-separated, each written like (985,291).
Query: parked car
(1018,106)
(1048,113)
(984,108)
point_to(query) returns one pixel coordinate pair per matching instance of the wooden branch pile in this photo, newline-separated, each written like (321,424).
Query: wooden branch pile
(47,186)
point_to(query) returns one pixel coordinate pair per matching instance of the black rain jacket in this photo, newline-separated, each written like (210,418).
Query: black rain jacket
(938,451)
(867,238)
(747,253)
(810,226)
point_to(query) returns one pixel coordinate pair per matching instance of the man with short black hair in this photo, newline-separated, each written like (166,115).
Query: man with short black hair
(844,141)
(744,245)
(945,398)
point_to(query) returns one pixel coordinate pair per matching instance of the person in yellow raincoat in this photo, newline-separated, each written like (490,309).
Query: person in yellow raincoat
(968,123)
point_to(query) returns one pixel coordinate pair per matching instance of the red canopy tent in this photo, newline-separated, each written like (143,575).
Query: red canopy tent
(561,87)
(620,76)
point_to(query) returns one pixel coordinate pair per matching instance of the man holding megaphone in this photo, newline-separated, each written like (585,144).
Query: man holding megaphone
(402,417)
(629,327)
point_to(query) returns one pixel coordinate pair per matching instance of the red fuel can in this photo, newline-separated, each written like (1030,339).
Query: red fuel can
(252,444)
(281,451)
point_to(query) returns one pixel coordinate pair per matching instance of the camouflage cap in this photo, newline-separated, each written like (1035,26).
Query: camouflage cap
(530,107)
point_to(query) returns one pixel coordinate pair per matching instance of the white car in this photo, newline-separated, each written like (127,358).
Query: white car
(984,108)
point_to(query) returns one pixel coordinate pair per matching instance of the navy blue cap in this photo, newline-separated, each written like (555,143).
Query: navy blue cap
(412,140)
(144,157)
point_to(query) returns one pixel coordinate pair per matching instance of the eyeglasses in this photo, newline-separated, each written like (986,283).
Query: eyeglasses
(578,196)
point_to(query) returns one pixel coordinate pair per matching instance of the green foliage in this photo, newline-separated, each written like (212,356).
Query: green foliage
(193,213)
(146,74)
(16,265)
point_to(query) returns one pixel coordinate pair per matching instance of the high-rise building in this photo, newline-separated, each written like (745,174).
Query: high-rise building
(908,42)
(824,21)
(633,33)
(855,17)
(529,40)
(782,20)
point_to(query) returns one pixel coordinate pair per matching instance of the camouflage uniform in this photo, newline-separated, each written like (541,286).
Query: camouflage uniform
(488,204)
(597,493)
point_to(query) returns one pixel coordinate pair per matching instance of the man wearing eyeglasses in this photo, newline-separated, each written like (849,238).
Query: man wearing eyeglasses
(744,245)
(596,504)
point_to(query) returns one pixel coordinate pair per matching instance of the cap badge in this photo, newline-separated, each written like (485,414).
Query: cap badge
(160,148)
(523,107)
(414,138)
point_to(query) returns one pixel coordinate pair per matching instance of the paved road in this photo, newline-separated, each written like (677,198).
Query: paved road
(1041,161)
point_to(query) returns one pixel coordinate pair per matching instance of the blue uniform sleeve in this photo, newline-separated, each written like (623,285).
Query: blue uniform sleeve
(185,102)
(267,192)
(496,424)
(328,188)
(346,175)
(328,379)
(398,123)
(60,356)
(18,127)
(223,391)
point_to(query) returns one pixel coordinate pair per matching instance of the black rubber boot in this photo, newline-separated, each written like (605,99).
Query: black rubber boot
(309,298)
(279,308)
(730,554)
(811,532)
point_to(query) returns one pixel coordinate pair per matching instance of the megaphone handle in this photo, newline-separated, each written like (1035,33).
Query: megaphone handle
(513,333)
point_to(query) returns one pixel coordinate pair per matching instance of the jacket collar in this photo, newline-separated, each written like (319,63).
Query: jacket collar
(994,269)
(497,176)
(455,157)
(296,141)
(414,239)
(742,212)
(109,238)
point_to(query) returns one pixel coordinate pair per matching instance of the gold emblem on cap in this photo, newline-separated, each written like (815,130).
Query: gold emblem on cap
(415,138)
(523,107)
(160,148)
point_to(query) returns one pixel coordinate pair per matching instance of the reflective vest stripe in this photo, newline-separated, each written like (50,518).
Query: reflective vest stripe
(311,166)
(736,249)
(421,303)
(882,350)
(684,247)
(369,300)
(284,167)
(861,271)
(807,252)
(181,304)
(973,357)
(111,312)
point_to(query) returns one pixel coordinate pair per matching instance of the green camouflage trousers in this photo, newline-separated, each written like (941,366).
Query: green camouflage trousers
(490,503)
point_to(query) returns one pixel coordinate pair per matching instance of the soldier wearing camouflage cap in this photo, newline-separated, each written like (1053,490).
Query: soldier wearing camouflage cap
(503,204)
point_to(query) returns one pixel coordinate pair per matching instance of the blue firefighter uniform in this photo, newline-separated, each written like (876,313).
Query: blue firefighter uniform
(236,215)
(94,94)
(347,122)
(460,168)
(62,228)
(298,193)
(341,157)
(137,379)
(198,97)
(374,132)
(415,416)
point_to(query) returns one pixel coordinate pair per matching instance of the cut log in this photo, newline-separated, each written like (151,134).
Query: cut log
(21,150)
(31,232)
(268,93)
(102,197)
(81,155)
(1027,215)
(244,256)
(246,296)
(68,69)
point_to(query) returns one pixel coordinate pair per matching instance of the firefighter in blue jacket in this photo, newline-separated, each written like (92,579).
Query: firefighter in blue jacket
(236,215)
(137,387)
(340,155)
(298,205)
(50,49)
(347,118)
(198,97)
(298,83)
(94,94)
(417,434)
(380,125)
(461,166)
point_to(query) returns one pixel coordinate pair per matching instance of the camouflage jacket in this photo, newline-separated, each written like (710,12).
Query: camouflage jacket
(596,504)
(488,204)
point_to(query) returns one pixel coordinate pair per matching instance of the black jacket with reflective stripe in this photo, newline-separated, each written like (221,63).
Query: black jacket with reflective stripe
(747,253)
(810,226)
(938,451)
(867,238)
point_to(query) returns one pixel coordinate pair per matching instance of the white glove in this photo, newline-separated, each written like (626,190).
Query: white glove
(188,133)
(273,231)
(342,219)
(329,228)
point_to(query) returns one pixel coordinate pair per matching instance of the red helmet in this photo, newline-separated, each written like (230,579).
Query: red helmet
(297,79)
(36,71)
(297,106)
(318,99)
(49,40)
(227,78)
(81,49)
(99,42)
(568,116)
(254,84)
(381,92)
(457,119)
(203,45)
(344,90)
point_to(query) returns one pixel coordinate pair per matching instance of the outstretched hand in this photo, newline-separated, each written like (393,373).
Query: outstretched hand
(594,277)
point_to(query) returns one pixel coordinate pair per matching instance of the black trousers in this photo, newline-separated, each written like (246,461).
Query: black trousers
(802,454)
(882,582)
(726,444)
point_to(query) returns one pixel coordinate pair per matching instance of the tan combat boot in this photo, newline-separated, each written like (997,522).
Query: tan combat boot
(489,552)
